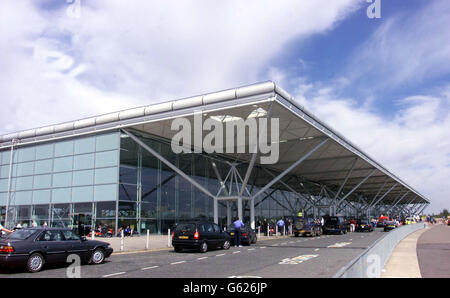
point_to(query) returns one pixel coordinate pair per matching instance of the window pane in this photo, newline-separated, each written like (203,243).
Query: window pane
(82,208)
(3,184)
(26,154)
(85,145)
(107,175)
(24,169)
(127,209)
(3,198)
(127,192)
(4,157)
(4,171)
(107,142)
(24,212)
(63,164)
(83,178)
(82,162)
(61,195)
(105,192)
(128,174)
(82,194)
(44,151)
(41,196)
(42,181)
(60,211)
(62,179)
(43,166)
(23,183)
(22,197)
(64,148)
(106,159)
(106,209)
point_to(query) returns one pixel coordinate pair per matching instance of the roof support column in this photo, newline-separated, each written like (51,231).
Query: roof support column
(356,187)
(168,163)
(293,166)
(395,204)
(343,184)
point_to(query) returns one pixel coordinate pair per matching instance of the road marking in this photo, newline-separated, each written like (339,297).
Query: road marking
(297,260)
(113,274)
(202,258)
(350,239)
(339,244)
(262,247)
(220,255)
(236,252)
(146,268)
(180,262)
(251,249)
(317,249)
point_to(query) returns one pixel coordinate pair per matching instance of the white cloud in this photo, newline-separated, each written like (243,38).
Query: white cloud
(414,144)
(57,68)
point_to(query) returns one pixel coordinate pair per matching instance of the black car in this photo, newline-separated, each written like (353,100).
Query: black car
(199,235)
(363,225)
(389,225)
(334,224)
(248,235)
(306,227)
(34,247)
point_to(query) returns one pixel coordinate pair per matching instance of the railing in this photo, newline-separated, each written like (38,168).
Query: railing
(372,260)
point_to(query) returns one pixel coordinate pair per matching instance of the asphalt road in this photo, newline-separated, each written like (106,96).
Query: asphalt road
(289,257)
(433,252)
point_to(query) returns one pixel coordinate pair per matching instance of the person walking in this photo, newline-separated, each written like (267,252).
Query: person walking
(280,225)
(238,225)
(352,225)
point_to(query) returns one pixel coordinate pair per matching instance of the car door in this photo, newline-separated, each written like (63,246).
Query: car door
(208,233)
(219,235)
(52,244)
(75,245)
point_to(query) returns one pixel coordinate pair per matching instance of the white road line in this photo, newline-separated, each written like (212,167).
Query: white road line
(202,258)
(220,255)
(147,268)
(317,249)
(180,262)
(113,274)
(262,247)
(251,249)
(236,252)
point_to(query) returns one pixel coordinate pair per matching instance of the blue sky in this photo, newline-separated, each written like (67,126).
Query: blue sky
(383,83)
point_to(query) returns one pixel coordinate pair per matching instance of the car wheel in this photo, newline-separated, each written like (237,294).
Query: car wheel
(226,245)
(177,249)
(98,256)
(203,247)
(255,239)
(296,235)
(35,263)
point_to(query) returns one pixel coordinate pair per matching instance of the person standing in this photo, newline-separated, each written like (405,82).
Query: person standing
(280,225)
(352,225)
(238,225)
(4,230)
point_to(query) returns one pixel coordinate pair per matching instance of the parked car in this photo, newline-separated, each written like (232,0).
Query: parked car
(307,227)
(410,220)
(248,235)
(199,235)
(390,225)
(34,247)
(363,225)
(334,224)
(381,221)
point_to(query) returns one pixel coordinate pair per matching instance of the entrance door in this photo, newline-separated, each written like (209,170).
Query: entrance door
(82,223)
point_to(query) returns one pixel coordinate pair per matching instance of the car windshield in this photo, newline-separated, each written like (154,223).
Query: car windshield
(186,227)
(390,223)
(21,234)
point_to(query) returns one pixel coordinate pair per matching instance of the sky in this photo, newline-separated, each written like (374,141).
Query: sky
(384,83)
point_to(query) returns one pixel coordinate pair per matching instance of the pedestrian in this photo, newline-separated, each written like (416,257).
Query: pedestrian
(18,226)
(44,224)
(4,230)
(238,225)
(280,225)
(352,225)
(34,224)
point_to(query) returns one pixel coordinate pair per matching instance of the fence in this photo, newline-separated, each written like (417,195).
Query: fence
(371,261)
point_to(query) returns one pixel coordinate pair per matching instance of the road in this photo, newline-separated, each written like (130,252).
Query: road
(433,252)
(287,257)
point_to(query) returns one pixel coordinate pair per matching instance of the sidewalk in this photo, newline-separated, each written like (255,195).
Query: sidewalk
(403,262)
(155,243)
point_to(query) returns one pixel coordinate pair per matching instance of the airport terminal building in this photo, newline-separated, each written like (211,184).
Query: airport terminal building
(119,169)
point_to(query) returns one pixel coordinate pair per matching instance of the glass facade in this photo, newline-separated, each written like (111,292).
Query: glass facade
(109,180)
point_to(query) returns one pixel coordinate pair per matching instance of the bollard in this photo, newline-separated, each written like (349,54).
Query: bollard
(276,230)
(268,230)
(284,230)
(148,235)
(259,232)
(168,238)
(121,240)
(92,234)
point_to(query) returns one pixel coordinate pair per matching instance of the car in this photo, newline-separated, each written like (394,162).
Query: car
(199,235)
(390,225)
(410,220)
(306,227)
(33,248)
(363,225)
(334,224)
(381,221)
(248,235)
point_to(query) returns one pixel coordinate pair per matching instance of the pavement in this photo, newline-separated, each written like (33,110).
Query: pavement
(286,256)
(424,253)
